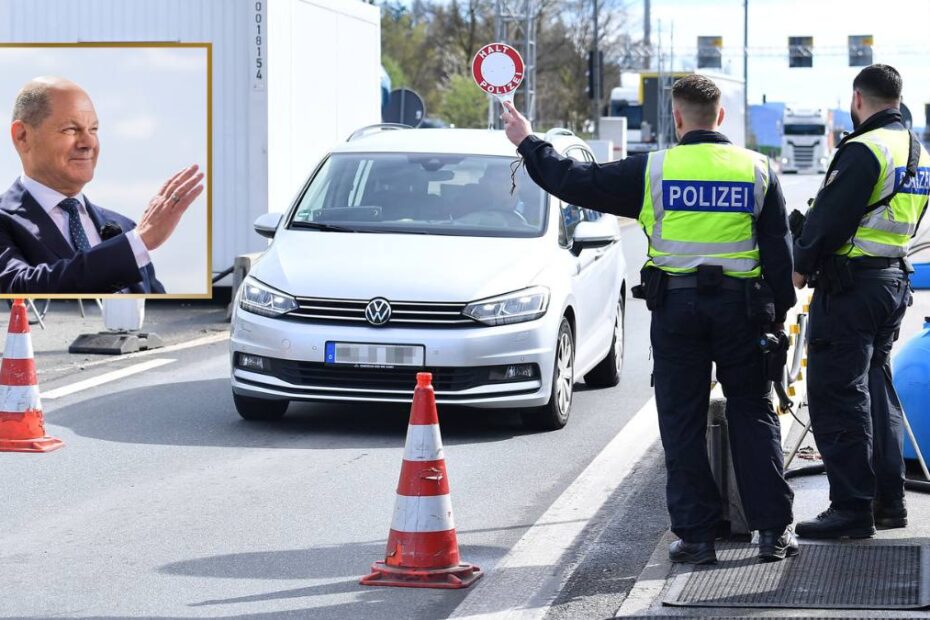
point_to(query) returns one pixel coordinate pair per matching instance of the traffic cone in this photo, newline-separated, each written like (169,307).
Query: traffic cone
(21,422)
(422,549)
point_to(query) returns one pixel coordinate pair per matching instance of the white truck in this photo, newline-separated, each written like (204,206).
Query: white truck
(638,101)
(807,139)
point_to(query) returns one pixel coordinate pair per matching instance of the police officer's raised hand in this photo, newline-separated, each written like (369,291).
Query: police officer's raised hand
(165,209)
(516,126)
(799,280)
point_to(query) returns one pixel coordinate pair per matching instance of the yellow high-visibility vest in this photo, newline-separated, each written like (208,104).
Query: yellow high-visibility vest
(700,207)
(886,231)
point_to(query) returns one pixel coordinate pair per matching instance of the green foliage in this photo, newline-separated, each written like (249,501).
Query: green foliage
(464,104)
(428,45)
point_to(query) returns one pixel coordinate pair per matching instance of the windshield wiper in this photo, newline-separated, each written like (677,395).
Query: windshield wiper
(326,227)
(334,228)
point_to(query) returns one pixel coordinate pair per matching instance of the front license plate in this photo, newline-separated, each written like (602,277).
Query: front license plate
(381,355)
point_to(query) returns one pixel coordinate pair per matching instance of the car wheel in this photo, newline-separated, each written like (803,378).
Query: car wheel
(260,409)
(554,415)
(607,372)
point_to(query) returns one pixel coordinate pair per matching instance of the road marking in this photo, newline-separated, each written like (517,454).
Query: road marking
(527,580)
(197,342)
(86,384)
(651,580)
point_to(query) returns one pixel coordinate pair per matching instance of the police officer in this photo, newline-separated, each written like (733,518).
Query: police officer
(715,219)
(854,242)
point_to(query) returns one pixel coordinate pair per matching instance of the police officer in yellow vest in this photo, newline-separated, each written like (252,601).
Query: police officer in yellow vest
(853,244)
(718,236)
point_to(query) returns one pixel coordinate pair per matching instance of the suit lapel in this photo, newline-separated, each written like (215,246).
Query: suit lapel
(30,212)
(94,214)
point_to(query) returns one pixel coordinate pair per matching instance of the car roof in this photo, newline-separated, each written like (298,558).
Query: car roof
(452,141)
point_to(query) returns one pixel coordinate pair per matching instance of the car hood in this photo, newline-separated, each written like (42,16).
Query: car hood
(400,267)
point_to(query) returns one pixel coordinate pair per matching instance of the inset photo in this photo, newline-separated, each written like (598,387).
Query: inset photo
(105,170)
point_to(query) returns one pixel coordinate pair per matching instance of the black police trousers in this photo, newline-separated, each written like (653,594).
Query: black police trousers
(855,412)
(689,332)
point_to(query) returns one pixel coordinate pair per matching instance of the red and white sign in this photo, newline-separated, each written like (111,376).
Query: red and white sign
(498,69)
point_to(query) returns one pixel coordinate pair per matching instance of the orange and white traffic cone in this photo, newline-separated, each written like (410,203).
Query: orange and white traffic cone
(422,549)
(22,427)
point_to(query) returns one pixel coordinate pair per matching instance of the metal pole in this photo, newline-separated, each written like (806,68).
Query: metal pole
(920,456)
(647,35)
(745,72)
(596,80)
(498,25)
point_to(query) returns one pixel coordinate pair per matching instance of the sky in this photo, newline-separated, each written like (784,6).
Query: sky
(152,106)
(901,29)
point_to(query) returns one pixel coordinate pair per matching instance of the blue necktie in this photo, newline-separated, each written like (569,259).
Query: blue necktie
(72,206)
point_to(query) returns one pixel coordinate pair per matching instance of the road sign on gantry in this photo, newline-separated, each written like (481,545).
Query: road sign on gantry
(498,70)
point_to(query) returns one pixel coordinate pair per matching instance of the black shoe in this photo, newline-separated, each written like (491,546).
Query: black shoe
(835,523)
(777,545)
(692,552)
(890,514)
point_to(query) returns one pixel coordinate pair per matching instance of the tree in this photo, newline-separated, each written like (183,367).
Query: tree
(429,44)
(464,104)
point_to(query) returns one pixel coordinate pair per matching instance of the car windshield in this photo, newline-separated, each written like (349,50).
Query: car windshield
(466,195)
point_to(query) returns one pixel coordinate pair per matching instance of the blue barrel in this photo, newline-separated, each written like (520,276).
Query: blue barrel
(911,367)
(920,279)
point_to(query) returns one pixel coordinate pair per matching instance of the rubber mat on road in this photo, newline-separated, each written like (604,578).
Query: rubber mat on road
(823,576)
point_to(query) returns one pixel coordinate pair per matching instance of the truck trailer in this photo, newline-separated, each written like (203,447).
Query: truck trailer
(640,102)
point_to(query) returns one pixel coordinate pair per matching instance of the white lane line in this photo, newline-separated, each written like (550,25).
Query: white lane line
(219,337)
(67,390)
(527,580)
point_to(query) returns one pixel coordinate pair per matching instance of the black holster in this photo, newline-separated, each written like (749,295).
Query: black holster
(760,303)
(651,288)
(774,354)
(835,275)
(796,223)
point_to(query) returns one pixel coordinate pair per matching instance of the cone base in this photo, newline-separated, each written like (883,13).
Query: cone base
(40,444)
(452,578)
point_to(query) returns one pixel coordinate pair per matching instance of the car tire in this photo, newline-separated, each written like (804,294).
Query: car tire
(554,415)
(260,409)
(607,372)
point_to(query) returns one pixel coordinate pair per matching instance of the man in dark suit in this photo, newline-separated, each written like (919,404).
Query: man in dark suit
(52,238)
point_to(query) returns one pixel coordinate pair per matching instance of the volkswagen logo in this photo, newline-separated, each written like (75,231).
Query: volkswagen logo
(378,311)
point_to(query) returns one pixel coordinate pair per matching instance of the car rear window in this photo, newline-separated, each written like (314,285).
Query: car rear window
(424,193)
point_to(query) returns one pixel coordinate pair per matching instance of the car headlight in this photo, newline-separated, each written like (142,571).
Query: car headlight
(784,160)
(517,307)
(264,300)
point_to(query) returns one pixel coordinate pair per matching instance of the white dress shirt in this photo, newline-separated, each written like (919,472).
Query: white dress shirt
(49,199)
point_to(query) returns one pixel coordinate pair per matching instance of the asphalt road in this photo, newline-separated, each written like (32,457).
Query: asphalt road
(165,504)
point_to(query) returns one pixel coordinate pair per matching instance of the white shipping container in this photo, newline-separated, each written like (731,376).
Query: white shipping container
(290,79)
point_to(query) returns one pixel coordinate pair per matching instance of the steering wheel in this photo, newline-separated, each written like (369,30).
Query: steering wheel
(509,217)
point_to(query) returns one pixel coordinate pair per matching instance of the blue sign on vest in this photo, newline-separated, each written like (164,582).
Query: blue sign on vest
(718,196)
(919,184)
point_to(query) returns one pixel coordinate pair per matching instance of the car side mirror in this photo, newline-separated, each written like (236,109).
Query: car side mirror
(592,235)
(266,224)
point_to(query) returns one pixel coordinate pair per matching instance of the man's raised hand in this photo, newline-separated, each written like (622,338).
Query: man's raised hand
(516,126)
(165,209)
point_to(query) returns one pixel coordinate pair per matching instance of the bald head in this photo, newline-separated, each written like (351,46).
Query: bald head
(33,102)
(54,130)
